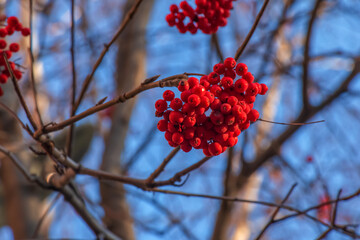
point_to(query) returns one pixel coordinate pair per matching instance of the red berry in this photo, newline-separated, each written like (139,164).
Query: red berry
(14,47)
(227,82)
(3,32)
(189,133)
(12,21)
(2,44)
(217,118)
(215,148)
(3,78)
(229,119)
(252,90)
(264,89)
(194,100)
(230,63)
(176,117)
(174,8)
(189,121)
(170,19)
(192,81)
(219,68)
(241,85)
(160,105)
(198,90)
(205,102)
(162,125)
(213,78)
(225,108)
(248,77)
(186,147)
(195,142)
(9,30)
(253,115)
(216,90)
(25,32)
(176,104)
(216,104)
(232,100)
(18,74)
(183,86)
(177,138)
(184,95)
(241,69)
(168,95)
(230,73)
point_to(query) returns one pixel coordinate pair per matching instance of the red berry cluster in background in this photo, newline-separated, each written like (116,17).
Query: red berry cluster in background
(212,112)
(13,25)
(208,16)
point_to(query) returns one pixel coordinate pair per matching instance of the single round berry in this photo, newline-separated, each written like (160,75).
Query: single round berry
(177,138)
(194,100)
(14,47)
(168,95)
(241,85)
(192,81)
(241,69)
(162,125)
(264,89)
(2,44)
(230,62)
(160,105)
(253,115)
(215,148)
(25,32)
(176,117)
(176,104)
(3,78)
(12,21)
(183,86)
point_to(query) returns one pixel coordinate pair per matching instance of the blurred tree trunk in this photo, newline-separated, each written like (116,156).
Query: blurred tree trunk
(130,72)
(23,202)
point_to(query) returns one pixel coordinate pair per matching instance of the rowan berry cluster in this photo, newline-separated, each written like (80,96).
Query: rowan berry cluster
(211,113)
(208,16)
(13,25)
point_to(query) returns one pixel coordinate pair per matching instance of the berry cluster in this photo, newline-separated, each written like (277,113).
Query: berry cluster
(208,16)
(13,25)
(211,113)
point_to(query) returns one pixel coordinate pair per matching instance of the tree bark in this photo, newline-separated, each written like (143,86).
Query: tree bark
(130,72)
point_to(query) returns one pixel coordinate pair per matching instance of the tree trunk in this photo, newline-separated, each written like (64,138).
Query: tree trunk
(130,72)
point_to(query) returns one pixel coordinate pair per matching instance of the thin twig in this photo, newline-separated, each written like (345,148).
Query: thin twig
(88,79)
(167,82)
(15,116)
(215,40)
(162,166)
(271,221)
(291,124)
(32,59)
(19,94)
(46,213)
(306,55)
(252,30)
(177,176)
(70,134)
